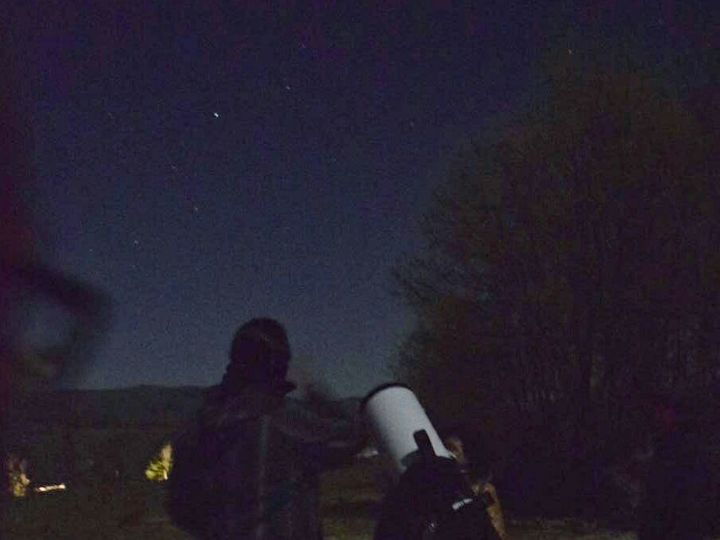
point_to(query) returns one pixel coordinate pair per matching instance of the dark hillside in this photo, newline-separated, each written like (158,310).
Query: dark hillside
(136,406)
(92,436)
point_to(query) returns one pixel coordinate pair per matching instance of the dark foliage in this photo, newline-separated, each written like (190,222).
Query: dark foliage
(571,269)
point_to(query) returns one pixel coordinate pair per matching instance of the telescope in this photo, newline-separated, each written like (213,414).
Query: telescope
(431,496)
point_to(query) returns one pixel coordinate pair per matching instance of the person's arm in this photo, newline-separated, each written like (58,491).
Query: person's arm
(330,441)
(89,308)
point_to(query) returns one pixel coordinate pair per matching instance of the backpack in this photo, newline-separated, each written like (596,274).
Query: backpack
(195,500)
(192,500)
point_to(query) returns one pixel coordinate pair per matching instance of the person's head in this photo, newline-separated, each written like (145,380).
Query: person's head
(259,354)
(455,446)
(466,445)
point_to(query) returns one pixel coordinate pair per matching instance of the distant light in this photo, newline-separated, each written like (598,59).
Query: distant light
(51,487)
(159,468)
(216,115)
(368,452)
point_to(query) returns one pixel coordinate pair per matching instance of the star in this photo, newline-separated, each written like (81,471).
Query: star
(136,242)
(287,87)
(216,115)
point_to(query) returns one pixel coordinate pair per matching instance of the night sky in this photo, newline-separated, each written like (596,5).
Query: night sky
(204,163)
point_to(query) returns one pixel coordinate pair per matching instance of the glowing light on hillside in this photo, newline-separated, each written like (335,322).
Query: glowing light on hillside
(17,479)
(158,470)
(50,488)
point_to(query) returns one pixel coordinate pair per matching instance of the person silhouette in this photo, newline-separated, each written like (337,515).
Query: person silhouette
(249,465)
(25,279)
(481,480)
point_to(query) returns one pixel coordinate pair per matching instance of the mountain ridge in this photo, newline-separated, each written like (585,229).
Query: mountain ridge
(133,406)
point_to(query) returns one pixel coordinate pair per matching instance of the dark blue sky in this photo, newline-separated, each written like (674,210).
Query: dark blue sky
(209,162)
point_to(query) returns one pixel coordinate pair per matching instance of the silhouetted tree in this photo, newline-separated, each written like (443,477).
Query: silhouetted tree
(571,262)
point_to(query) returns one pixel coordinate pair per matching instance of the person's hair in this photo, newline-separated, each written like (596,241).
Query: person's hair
(474,447)
(259,354)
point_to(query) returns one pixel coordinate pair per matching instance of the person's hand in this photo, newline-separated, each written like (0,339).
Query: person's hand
(319,391)
(311,388)
(301,379)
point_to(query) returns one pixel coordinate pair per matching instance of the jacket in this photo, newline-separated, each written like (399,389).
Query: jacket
(249,467)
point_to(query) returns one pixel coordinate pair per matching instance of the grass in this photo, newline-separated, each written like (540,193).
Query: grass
(350,498)
(133,510)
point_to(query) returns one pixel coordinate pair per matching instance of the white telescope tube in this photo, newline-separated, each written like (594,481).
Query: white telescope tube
(394,415)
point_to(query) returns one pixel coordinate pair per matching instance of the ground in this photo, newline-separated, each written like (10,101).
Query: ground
(133,510)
